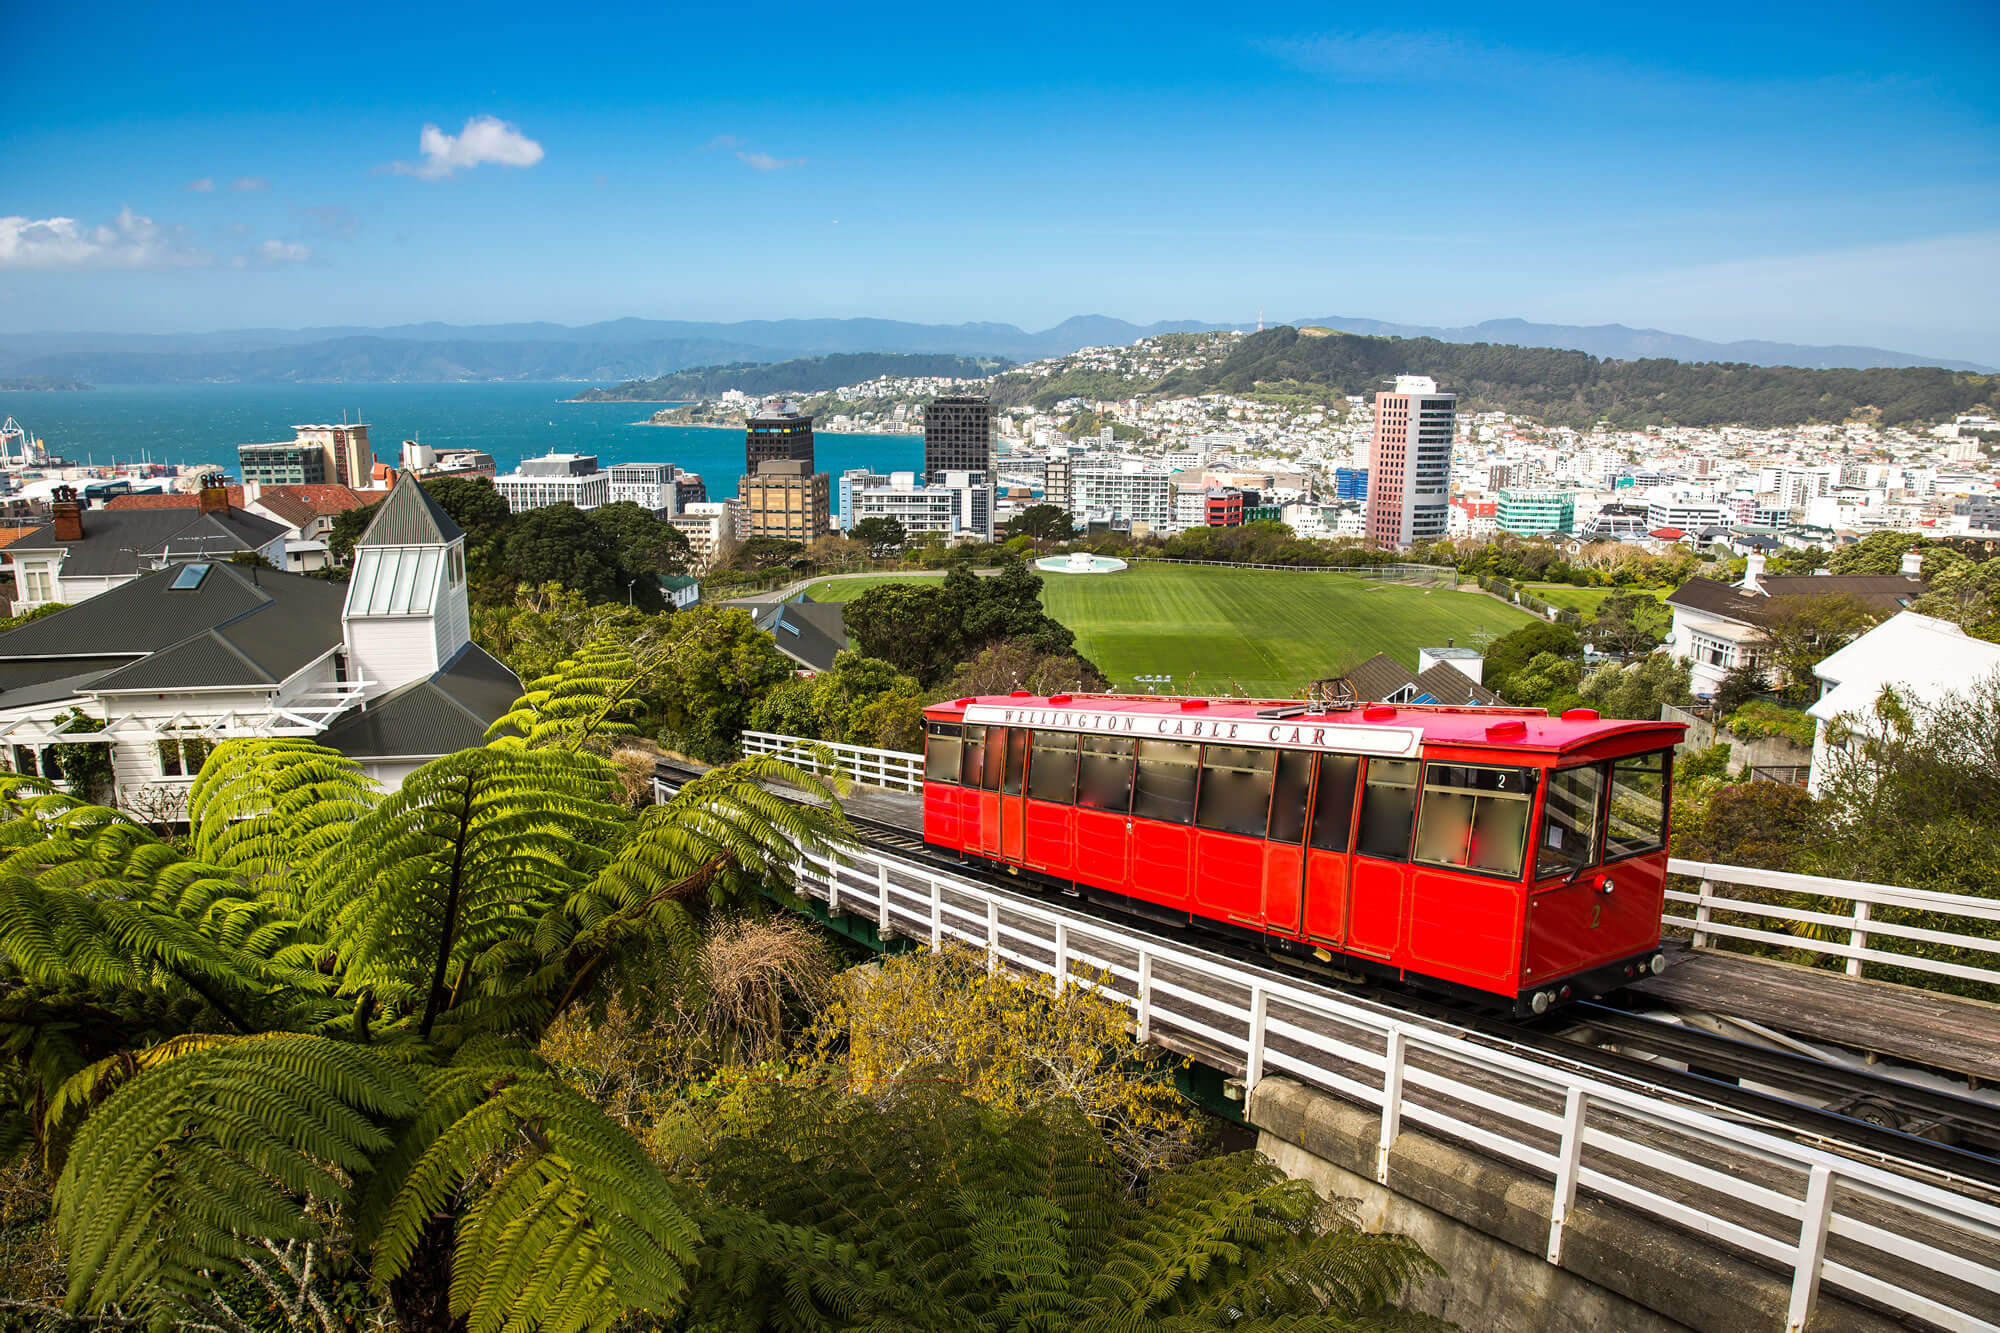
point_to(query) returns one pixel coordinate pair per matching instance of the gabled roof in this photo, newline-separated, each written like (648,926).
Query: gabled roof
(114,539)
(409,517)
(238,627)
(1880,592)
(321,498)
(810,633)
(441,714)
(1444,684)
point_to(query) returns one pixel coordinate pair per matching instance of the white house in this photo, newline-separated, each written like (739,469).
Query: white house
(1719,627)
(1920,657)
(82,552)
(178,659)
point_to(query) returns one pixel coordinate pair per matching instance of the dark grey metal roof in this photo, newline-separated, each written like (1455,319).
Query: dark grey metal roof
(1379,678)
(441,715)
(409,517)
(239,627)
(1444,684)
(1887,593)
(114,540)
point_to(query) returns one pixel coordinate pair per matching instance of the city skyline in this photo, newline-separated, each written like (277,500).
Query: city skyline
(1816,176)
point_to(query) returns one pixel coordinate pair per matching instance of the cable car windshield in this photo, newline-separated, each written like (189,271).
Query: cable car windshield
(1475,817)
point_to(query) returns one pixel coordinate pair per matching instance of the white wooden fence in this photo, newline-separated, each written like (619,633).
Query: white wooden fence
(1926,1252)
(897,770)
(1843,924)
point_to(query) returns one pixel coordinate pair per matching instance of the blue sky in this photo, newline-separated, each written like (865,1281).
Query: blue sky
(1826,173)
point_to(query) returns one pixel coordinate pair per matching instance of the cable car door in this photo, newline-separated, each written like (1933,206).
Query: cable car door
(1013,803)
(1328,865)
(1284,846)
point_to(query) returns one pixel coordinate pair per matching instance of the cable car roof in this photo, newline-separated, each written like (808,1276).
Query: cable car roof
(1384,729)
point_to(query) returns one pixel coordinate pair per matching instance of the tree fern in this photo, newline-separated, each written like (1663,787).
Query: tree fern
(585,701)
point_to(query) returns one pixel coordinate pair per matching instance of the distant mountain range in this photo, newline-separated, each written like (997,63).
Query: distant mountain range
(633,349)
(812,374)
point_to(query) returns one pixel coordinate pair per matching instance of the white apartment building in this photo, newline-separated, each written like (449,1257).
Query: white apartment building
(648,485)
(712,530)
(555,479)
(1690,511)
(959,505)
(1126,489)
(849,484)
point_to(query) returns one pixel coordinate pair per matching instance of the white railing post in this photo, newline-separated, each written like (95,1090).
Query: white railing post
(1260,1012)
(882,925)
(1392,1101)
(1143,1000)
(937,912)
(1812,1248)
(833,886)
(1062,956)
(1567,1162)
(1857,937)
(992,934)
(1701,913)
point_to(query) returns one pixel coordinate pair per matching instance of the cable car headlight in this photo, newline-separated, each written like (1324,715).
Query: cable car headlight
(1540,1002)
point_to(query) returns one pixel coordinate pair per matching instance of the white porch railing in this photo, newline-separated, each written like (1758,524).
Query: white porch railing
(1849,933)
(1926,1252)
(1848,928)
(895,769)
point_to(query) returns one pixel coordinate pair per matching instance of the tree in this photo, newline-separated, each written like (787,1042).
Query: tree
(1510,652)
(1547,681)
(1804,630)
(1044,523)
(881,535)
(1877,553)
(911,626)
(1012,664)
(1639,690)
(1963,592)
(318,1017)
(1625,624)
(643,546)
(827,1209)
(560,543)
(1744,682)
(720,664)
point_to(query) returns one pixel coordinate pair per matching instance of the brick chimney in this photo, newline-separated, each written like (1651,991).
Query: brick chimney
(66,515)
(214,494)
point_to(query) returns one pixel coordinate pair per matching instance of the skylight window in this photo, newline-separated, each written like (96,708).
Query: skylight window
(189,578)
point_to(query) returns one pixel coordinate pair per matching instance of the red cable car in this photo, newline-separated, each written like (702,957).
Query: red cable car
(1495,850)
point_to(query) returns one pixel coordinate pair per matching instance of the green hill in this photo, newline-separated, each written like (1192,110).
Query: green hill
(807,374)
(1577,389)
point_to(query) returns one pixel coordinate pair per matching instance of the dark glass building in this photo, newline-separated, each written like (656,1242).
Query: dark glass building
(291,463)
(786,438)
(958,435)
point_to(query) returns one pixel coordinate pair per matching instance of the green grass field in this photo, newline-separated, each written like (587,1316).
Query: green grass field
(1229,631)
(1259,631)
(1572,598)
(846,590)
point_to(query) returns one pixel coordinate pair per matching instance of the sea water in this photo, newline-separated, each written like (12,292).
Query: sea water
(203,423)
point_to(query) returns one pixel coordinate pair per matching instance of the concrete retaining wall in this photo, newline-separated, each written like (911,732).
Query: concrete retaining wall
(1488,1225)
(1764,752)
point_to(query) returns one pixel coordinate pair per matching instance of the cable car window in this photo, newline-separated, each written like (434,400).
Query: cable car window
(1569,821)
(972,771)
(942,741)
(1333,801)
(1476,817)
(1167,772)
(1288,796)
(1235,790)
(1104,773)
(996,757)
(1388,805)
(1017,760)
(1638,820)
(1052,768)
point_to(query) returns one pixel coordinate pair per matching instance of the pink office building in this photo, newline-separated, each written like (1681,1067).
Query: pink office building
(1409,481)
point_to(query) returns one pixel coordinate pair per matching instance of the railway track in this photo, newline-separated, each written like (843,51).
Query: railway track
(1865,1114)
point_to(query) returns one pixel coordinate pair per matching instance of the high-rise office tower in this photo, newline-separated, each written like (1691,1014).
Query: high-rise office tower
(1409,470)
(958,435)
(785,438)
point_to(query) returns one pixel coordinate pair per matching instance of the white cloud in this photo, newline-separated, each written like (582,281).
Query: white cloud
(129,241)
(202,186)
(765,162)
(283,252)
(249,183)
(484,139)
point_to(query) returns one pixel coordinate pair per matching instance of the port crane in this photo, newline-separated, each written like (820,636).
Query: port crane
(19,448)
